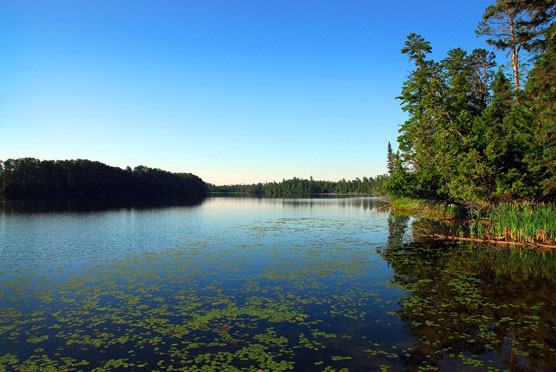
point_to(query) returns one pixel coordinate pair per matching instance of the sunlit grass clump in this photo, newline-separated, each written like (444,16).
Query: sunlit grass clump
(519,222)
(425,207)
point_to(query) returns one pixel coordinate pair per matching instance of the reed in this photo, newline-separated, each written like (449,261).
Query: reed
(524,222)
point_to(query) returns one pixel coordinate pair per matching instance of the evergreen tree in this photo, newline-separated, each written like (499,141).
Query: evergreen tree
(482,64)
(504,25)
(468,138)
(421,97)
(389,159)
(541,88)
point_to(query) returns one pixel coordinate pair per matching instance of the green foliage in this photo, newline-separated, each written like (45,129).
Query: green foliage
(465,297)
(33,177)
(401,182)
(542,104)
(425,207)
(472,136)
(390,159)
(520,222)
(505,25)
(300,186)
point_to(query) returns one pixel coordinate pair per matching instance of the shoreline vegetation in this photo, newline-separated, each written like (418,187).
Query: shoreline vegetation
(307,187)
(524,224)
(31,178)
(478,150)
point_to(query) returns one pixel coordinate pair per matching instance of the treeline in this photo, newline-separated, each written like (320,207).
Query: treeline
(300,186)
(27,177)
(475,135)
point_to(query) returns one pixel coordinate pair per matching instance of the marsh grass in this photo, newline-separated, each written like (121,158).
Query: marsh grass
(524,222)
(521,222)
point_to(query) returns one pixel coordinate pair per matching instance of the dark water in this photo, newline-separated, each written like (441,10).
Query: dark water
(241,284)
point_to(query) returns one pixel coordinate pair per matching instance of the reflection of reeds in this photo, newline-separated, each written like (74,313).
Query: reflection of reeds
(522,265)
(508,260)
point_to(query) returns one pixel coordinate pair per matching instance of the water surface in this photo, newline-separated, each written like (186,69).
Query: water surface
(243,284)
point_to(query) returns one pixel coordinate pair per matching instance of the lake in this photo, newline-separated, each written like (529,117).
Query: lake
(246,284)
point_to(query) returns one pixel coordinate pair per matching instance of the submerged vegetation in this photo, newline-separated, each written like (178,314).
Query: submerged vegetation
(280,295)
(29,177)
(468,301)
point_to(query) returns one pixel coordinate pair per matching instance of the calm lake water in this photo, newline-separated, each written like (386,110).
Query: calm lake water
(244,284)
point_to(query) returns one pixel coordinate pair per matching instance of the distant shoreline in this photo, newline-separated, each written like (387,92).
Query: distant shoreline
(30,177)
(240,193)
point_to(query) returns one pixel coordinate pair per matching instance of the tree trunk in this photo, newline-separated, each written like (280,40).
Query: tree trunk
(515,50)
(515,61)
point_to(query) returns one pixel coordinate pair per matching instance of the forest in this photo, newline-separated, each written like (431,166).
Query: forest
(26,177)
(300,186)
(478,133)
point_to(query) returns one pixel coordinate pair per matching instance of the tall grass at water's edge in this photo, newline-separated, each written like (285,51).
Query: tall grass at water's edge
(524,222)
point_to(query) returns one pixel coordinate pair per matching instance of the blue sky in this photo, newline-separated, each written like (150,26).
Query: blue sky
(233,91)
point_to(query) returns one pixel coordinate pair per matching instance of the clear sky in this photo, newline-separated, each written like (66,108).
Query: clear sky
(233,91)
